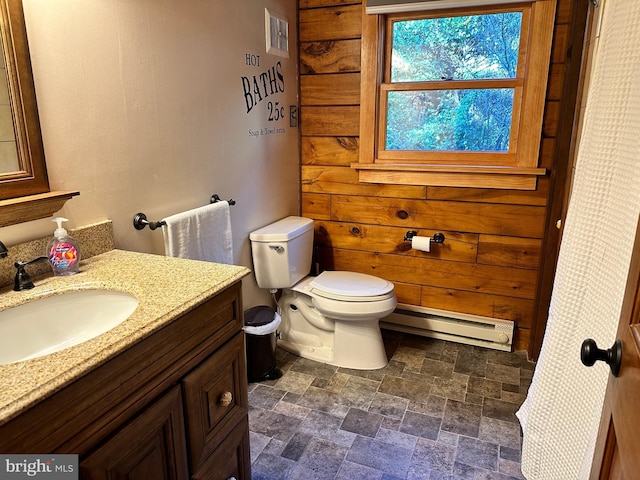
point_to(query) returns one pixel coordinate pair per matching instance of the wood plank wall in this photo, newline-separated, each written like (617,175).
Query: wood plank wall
(490,260)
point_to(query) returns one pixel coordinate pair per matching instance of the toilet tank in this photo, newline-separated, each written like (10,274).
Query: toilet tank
(282,252)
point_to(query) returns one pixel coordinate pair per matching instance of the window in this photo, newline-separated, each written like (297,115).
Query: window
(455,97)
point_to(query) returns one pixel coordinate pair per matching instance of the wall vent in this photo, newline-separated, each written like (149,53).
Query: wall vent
(456,327)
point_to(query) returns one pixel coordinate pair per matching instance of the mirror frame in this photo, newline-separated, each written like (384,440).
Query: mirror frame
(32,178)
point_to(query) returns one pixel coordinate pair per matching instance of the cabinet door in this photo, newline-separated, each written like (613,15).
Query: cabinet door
(231,460)
(215,399)
(151,446)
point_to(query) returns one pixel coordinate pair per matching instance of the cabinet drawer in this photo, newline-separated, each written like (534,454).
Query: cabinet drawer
(215,399)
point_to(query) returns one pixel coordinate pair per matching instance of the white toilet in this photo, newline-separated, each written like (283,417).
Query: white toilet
(332,318)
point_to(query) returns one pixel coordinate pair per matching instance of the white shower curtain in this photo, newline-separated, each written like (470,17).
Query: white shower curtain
(561,414)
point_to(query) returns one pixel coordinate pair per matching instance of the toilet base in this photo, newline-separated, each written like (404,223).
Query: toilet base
(358,347)
(317,354)
(354,343)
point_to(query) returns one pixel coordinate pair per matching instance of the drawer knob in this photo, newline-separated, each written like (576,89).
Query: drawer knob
(225,399)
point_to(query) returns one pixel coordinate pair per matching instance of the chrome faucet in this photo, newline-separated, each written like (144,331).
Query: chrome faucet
(22,280)
(3,251)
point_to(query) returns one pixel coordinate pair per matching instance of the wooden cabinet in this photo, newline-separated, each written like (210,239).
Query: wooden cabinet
(173,406)
(150,446)
(228,460)
(216,400)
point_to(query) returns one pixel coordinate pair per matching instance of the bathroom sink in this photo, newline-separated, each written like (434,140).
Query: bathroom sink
(50,324)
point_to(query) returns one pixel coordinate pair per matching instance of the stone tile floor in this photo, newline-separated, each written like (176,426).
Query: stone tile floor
(439,411)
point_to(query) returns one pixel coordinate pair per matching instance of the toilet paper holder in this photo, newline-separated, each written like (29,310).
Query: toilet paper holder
(437,238)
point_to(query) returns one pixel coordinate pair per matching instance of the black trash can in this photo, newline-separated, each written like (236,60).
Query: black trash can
(260,324)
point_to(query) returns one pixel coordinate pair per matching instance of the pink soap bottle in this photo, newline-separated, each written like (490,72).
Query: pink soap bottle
(63,251)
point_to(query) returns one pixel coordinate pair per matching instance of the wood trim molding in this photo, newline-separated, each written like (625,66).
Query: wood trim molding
(32,207)
(31,175)
(512,178)
(370,76)
(561,174)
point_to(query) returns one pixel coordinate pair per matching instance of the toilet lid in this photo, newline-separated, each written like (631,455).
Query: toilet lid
(350,286)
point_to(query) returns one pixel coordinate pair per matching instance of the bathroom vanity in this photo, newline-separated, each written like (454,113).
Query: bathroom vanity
(163,395)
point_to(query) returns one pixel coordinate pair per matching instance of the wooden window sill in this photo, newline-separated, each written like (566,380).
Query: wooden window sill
(500,177)
(32,207)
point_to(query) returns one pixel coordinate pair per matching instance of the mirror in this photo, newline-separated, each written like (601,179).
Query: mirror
(22,163)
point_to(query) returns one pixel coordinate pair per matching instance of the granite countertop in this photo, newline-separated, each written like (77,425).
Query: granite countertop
(165,287)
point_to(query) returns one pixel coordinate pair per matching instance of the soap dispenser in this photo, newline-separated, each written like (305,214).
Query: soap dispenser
(63,251)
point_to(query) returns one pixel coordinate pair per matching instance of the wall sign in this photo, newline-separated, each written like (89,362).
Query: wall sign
(263,93)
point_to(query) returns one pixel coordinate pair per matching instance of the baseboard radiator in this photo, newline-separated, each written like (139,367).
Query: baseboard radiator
(456,327)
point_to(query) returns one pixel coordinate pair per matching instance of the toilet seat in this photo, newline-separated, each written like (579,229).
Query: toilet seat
(350,287)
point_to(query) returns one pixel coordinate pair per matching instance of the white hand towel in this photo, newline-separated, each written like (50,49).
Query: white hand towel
(203,233)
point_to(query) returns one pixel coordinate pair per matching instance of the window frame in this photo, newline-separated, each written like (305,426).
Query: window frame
(516,169)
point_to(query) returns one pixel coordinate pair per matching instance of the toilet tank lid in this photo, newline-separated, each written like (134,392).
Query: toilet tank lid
(282,230)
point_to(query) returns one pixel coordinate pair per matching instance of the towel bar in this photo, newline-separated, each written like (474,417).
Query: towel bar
(215,198)
(140,219)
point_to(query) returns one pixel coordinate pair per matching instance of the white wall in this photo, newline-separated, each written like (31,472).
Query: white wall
(143,109)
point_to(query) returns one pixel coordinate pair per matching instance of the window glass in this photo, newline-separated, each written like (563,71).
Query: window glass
(456,48)
(443,120)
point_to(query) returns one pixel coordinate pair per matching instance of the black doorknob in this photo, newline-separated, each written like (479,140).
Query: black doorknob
(590,354)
